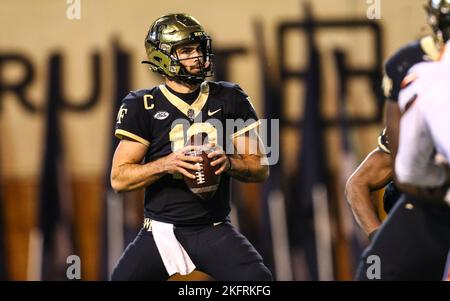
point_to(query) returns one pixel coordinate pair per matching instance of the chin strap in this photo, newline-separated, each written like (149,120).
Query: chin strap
(186,77)
(194,80)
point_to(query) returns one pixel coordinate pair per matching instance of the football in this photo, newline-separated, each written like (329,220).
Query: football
(206,181)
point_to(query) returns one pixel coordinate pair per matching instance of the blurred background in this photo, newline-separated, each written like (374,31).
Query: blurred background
(316,66)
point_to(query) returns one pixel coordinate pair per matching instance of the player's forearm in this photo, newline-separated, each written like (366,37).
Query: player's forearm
(248,169)
(127,177)
(362,207)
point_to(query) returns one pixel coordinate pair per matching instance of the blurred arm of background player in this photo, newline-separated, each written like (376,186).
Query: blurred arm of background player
(372,174)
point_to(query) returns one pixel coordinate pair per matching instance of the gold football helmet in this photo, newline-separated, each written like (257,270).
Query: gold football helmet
(439,18)
(173,30)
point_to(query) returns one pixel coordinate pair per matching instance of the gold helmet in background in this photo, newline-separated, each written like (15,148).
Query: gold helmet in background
(439,18)
(173,30)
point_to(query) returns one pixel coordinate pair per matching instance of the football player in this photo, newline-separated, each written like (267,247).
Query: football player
(181,231)
(424,124)
(406,244)
(376,170)
(397,67)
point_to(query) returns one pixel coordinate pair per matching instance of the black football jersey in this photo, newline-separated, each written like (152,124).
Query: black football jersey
(162,121)
(391,196)
(398,65)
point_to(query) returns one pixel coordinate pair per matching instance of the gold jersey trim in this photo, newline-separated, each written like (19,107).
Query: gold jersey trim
(246,129)
(181,105)
(381,145)
(121,133)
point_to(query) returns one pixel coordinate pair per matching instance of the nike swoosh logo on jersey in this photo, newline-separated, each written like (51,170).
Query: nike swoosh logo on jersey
(212,113)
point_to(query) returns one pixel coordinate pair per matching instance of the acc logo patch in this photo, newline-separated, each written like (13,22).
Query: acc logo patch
(161,115)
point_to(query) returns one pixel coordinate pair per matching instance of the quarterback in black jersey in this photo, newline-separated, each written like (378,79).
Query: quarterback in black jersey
(181,231)
(413,242)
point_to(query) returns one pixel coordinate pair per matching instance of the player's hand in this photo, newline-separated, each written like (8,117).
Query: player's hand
(221,160)
(179,162)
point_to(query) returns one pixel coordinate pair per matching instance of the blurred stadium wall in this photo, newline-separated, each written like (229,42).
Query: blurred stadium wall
(37,38)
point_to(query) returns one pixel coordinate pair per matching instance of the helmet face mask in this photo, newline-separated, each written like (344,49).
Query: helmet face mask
(439,19)
(168,33)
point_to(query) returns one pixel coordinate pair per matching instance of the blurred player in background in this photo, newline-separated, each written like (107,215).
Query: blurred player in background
(426,49)
(181,231)
(414,242)
(375,172)
(424,132)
